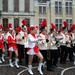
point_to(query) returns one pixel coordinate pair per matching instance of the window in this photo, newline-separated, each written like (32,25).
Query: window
(16,5)
(58,7)
(5,5)
(5,23)
(58,23)
(68,7)
(0,12)
(42,1)
(16,23)
(27,5)
(40,20)
(69,22)
(42,9)
(27,22)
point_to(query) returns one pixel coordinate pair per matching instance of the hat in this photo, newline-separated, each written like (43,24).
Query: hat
(65,25)
(43,25)
(69,31)
(18,29)
(53,26)
(72,27)
(60,29)
(43,28)
(32,27)
(10,26)
(24,23)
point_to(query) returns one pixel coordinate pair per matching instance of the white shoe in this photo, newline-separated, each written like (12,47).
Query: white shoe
(73,53)
(30,69)
(39,68)
(11,65)
(30,72)
(3,57)
(16,63)
(74,62)
(0,61)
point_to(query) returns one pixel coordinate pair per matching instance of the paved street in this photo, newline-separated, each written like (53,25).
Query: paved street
(67,69)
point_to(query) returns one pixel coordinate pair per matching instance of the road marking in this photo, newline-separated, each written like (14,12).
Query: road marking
(60,67)
(4,65)
(22,71)
(20,66)
(8,65)
(34,68)
(62,73)
(26,68)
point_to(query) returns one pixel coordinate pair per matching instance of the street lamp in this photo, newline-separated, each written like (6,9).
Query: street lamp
(50,12)
(0,13)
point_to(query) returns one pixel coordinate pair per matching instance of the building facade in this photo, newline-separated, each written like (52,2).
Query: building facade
(13,11)
(34,11)
(55,11)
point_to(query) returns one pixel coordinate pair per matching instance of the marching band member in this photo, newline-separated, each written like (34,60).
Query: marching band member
(8,30)
(59,36)
(72,28)
(68,44)
(73,36)
(43,43)
(53,47)
(33,50)
(2,44)
(12,46)
(63,44)
(22,42)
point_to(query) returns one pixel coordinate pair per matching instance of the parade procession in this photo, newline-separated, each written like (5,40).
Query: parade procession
(37,37)
(43,47)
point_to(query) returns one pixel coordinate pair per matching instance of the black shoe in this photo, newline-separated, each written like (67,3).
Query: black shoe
(63,62)
(20,63)
(53,66)
(56,65)
(72,60)
(50,69)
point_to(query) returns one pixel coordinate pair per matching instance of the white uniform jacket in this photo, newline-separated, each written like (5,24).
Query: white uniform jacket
(68,39)
(23,41)
(32,41)
(42,44)
(73,38)
(53,43)
(63,41)
(6,36)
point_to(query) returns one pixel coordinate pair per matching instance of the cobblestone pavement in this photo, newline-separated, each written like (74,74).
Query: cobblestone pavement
(65,69)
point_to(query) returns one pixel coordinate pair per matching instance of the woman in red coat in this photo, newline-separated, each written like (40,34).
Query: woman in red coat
(2,44)
(12,46)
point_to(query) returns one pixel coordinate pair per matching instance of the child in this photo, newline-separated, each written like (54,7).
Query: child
(12,46)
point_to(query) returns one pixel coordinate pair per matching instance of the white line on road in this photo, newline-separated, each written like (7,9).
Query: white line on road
(60,67)
(25,68)
(62,73)
(8,65)
(22,72)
